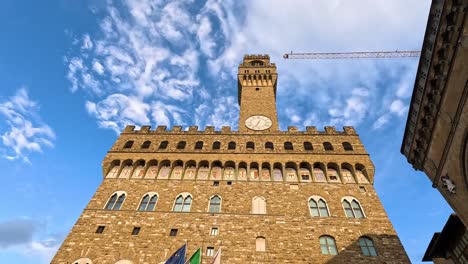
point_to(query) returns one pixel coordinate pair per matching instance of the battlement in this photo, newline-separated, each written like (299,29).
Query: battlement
(261,60)
(256,56)
(310,130)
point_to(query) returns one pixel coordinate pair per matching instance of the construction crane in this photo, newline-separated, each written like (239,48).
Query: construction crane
(353,55)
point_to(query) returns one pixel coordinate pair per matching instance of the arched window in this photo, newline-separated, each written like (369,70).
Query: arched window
(199,145)
(367,247)
(181,145)
(352,208)
(318,207)
(163,145)
(82,261)
(308,146)
(258,205)
(215,204)
(148,202)
(216,145)
(269,145)
(250,145)
(146,145)
(260,244)
(128,144)
(327,146)
(183,203)
(347,146)
(328,245)
(232,145)
(116,200)
(288,146)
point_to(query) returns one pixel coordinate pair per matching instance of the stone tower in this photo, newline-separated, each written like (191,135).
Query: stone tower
(260,194)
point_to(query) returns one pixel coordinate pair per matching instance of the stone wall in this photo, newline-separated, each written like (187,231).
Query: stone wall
(292,235)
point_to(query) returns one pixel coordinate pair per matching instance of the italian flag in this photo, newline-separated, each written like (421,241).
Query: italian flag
(195,258)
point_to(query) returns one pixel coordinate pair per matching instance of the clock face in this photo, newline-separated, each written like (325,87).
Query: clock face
(258,122)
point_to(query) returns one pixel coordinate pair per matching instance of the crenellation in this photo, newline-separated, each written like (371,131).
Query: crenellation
(177,129)
(228,130)
(349,130)
(331,130)
(209,129)
(193,129)
(161,129)
(129,129)
(311,130)
(292,129)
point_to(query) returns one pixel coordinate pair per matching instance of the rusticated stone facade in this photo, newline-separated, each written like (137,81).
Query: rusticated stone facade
(265,180)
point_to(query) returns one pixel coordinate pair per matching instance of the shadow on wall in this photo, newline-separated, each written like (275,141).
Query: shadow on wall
(388,249)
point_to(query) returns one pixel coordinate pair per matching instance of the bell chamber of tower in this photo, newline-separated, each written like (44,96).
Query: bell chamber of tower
(260,195)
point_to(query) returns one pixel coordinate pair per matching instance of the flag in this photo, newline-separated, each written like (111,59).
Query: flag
(195,258)
(217,257)
(178,257)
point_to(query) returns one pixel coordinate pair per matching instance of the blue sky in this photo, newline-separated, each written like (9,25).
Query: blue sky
(73,73)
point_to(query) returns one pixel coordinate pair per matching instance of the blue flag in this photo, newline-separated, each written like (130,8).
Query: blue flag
(178,257)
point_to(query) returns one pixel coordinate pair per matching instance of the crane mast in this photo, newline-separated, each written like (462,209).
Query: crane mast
(353,55)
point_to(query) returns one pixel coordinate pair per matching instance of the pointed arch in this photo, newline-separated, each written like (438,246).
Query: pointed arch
(215,204)
(352,207)
(183,202)
(318,206)
(148,202)
(115,201)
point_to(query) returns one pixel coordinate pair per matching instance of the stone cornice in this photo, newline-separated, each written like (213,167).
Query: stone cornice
(434,66)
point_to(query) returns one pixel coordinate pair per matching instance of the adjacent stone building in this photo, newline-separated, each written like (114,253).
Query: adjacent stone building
(260,194)
(436,134)
(449,246)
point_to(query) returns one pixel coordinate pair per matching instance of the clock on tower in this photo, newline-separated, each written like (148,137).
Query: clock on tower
(257,94)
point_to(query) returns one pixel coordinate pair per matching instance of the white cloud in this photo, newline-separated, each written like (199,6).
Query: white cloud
(97,67)
(24,131)
(87,43)
(117,110)
(206,42)
(155,53)
(381,121)
(398,107)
